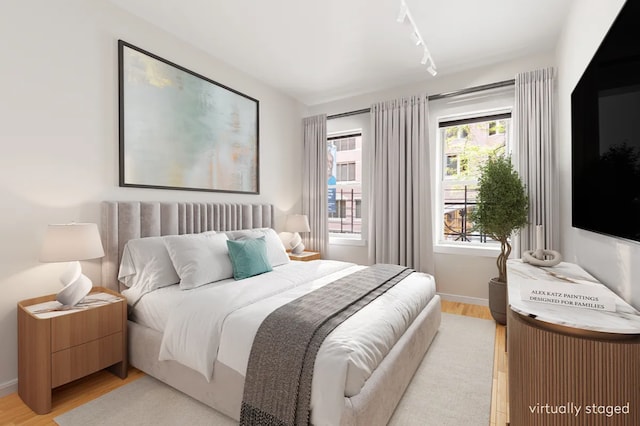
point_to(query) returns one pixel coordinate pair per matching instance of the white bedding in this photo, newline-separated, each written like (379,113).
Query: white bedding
(222,318)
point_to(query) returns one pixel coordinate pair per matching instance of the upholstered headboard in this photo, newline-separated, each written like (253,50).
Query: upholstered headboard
(124,220)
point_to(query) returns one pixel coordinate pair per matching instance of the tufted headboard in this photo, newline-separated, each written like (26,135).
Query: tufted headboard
(124,220)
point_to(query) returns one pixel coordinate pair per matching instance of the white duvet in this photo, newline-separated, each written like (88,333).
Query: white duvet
(219,322)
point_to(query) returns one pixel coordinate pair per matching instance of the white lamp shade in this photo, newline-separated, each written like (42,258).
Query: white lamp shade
(297,223)
(69,242)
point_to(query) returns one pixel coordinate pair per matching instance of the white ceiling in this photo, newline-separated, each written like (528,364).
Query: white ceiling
(321,50)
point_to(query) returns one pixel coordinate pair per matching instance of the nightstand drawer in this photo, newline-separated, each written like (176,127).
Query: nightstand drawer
(85,326)
(78,361)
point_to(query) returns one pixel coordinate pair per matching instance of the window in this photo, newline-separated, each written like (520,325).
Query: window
(466,144)
(345,144)
(342,209)
(451,167)
(346,172)
(344,157)
(496,127)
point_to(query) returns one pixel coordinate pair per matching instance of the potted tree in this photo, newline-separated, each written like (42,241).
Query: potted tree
(501,210)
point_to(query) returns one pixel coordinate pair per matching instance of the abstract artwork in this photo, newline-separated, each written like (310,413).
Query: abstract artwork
(180,130)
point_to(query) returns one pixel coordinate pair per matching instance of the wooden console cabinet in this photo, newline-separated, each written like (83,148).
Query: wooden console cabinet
(56,350)
(567,365)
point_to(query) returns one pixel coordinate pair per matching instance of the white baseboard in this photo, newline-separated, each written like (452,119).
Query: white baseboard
(8,387)
(464,299)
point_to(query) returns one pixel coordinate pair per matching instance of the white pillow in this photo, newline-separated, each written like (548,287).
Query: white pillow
(199,258)
(146,265)
(276,253)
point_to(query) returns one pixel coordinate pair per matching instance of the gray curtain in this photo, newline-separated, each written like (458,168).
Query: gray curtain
(534,130)
(314,186)
(400,213)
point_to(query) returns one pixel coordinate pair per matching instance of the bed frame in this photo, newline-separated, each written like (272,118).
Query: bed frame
(122,221)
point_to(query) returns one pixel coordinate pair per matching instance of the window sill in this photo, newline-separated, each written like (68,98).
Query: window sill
(470,250)
(347,241)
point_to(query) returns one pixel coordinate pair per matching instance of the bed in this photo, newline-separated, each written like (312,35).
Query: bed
(369,385)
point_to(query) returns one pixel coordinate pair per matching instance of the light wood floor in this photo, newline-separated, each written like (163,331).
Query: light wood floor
(14,412)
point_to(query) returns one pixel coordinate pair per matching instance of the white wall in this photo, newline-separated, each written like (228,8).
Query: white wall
(59,136)
(613,261)
(463,276)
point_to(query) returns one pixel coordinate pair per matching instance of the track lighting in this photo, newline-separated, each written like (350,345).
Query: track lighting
(403,16)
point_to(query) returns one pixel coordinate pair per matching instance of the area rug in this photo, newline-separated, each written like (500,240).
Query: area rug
(452,387)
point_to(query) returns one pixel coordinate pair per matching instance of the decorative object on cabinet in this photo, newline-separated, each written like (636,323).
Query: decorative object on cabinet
(501,209)
(71,243)
(181,130)
(297,223)
(541,256)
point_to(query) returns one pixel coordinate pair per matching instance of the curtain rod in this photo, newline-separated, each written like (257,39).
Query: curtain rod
(444,95)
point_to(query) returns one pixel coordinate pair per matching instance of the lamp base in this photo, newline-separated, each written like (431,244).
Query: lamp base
(298,249)
(296,244)
(76,285)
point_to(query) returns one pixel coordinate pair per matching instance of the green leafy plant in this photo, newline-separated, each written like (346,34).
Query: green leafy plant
(501,206)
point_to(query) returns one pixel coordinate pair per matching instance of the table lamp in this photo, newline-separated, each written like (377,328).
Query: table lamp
(71,243)
(297,223)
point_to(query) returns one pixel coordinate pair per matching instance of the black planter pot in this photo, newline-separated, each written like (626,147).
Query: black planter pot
(498,301)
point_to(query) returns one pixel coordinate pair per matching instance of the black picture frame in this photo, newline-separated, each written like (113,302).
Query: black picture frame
(181,130)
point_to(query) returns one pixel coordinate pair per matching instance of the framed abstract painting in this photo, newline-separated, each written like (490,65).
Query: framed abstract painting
(181,130)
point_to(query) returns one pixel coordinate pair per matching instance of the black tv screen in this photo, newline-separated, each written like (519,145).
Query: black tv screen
(605,140)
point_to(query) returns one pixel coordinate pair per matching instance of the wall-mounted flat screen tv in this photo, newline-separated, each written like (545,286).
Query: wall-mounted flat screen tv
(605,126)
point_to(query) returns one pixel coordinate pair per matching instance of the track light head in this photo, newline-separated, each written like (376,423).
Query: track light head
(402,15)
(425,57)
(416,38)
(432,70)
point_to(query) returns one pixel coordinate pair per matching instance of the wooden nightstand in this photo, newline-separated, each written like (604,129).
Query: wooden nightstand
(305,256)
(55,350)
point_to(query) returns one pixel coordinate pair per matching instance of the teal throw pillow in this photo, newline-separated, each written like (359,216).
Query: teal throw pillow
(248,257)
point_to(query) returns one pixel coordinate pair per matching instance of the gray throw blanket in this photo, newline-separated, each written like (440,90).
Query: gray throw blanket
(277,389)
